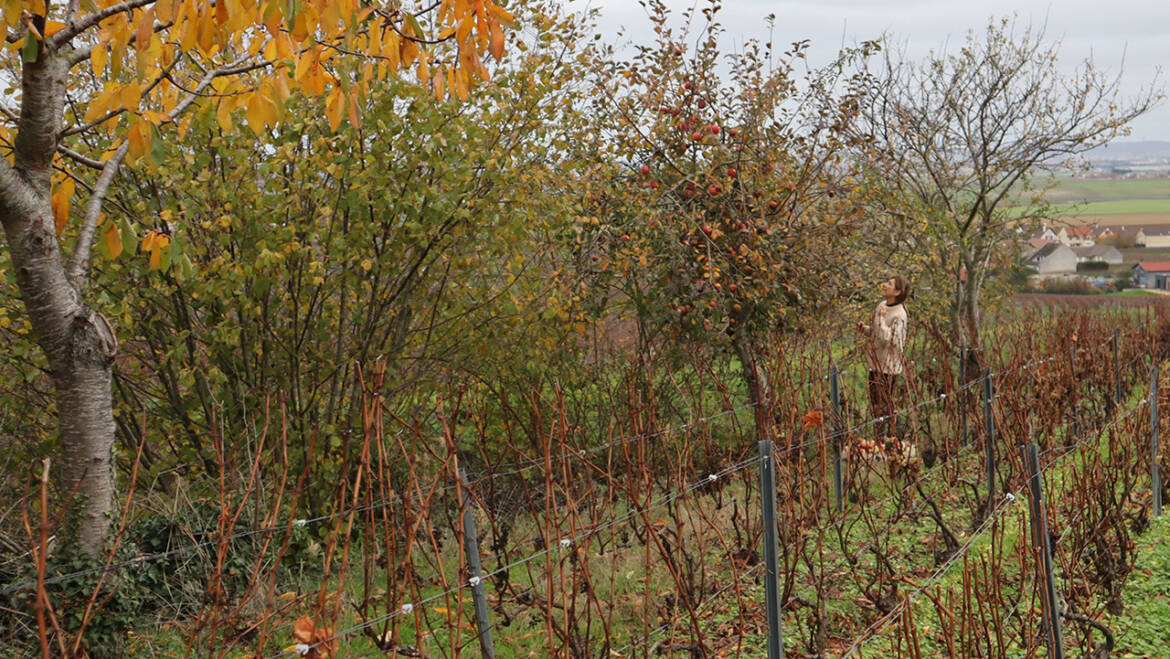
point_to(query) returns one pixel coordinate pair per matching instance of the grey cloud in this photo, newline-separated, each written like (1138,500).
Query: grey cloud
(1137,29)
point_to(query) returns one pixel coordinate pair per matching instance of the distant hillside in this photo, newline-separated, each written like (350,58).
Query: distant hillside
(1130,150)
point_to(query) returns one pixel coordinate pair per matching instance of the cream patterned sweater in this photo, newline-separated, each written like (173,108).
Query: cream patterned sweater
(887,338)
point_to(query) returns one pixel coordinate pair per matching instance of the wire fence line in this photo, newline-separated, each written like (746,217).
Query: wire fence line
(562,544)
(396,498)
(387,501)
(881,623)
(736,583)
(566,455)
(936,576)
(878,625)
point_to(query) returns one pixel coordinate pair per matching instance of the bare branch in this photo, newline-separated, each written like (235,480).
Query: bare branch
(79,264)
(80,158)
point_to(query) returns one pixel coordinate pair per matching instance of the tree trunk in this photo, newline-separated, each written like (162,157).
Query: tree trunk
(80,347)
(77,342)
(965,317)
(756,379)
(971,309)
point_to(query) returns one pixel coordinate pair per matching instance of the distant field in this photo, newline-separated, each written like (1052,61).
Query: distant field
(1117,220)
(1111,202)
(1117,207)
(1080,190)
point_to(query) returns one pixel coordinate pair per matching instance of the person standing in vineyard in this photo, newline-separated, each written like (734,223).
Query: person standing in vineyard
(884,356)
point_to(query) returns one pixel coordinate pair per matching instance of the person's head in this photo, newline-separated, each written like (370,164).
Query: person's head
(895,289)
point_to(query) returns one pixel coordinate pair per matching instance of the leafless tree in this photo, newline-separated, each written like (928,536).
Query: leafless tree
(965,140)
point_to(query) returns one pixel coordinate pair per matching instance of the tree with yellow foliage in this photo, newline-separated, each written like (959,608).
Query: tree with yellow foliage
(102,83)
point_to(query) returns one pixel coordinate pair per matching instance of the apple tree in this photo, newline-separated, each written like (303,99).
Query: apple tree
(722,207)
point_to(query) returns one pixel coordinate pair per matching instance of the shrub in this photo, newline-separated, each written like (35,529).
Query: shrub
(1092,266)
(1074,286)
(1123,280)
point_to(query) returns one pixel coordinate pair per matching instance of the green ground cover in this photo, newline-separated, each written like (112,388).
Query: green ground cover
(1132,292)
(1144,626)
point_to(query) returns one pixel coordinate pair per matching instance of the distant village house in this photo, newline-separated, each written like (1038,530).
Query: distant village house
(1151,274)
(1107,253)
(1053,258)
(1076,236)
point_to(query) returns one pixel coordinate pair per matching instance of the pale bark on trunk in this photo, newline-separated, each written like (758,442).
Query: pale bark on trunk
(78,343)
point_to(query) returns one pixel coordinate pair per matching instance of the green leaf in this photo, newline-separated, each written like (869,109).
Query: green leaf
(30,50)
(413,23)
(185,268)
(165,258)
(129,235)
(158,154)
(103,248)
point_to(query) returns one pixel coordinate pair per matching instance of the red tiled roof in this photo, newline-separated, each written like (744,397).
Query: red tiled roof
(1155,266)
(1083,232)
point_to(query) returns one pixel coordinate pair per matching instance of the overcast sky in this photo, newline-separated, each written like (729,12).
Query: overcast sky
(1133,33)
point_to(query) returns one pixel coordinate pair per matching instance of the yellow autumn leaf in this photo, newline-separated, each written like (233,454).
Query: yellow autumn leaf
(256,112)
(145,30)
(160,242)
(354,116)
(334,108)
(462,82)
(113,236)
(130,95)
(165,10)
(464,29)
(98,106)
(61,199)
(139,136)
(223,114)
(496,45)
(438,84)
(503,16)
(97,59)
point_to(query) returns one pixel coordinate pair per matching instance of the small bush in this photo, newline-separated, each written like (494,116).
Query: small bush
(1123,280)
(1093,266)
(1077,286)
(173,583)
